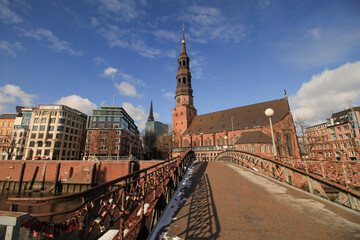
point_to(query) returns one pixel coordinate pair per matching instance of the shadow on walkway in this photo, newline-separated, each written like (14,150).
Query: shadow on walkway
(198,217)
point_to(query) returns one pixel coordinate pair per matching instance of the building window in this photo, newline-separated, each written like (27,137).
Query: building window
(42,128)
(35,128)
(62,120)
(246,148)
(186,143)
(253,149)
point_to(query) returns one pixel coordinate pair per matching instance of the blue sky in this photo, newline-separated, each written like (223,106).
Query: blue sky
(89,53)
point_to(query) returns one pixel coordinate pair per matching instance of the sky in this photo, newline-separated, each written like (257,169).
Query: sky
(91,53)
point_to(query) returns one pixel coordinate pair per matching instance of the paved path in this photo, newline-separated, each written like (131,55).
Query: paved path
(224,201)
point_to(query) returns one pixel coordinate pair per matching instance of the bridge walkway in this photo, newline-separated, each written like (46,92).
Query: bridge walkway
(224,201)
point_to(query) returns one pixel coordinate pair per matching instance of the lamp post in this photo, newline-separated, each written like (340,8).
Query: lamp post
(270,112)
(226,143)
(232,129)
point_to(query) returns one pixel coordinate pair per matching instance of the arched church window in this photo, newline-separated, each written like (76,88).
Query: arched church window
(186,143)
(219,141)
(184,63)
(179,81)
(184,80)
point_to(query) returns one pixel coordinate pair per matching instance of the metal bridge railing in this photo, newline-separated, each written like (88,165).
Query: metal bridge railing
(334,181)
(130,204)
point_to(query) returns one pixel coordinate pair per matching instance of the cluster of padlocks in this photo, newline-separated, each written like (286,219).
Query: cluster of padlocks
(126,198)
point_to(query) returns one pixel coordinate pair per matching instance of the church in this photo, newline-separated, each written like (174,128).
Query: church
(244,128)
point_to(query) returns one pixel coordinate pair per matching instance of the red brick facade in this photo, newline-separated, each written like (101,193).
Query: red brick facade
(243,128)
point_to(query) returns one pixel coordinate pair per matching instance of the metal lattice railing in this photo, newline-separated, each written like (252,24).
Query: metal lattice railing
(130,204)
(331,180)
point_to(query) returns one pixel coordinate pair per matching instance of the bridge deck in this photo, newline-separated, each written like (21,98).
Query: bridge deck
(223,201)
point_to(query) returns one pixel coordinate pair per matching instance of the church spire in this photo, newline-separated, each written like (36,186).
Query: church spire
(151,116)
(183,47)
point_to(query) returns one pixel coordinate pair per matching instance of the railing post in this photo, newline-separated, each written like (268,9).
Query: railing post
(13,221)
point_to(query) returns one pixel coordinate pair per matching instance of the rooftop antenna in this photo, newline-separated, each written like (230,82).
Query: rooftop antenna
(351,105)
(113,99)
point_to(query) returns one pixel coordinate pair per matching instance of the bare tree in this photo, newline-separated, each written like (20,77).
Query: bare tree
(9,145)
(166,144)
(110,142)
(133,143)
(149,142)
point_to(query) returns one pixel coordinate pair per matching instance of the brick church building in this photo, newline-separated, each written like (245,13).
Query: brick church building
(245,128)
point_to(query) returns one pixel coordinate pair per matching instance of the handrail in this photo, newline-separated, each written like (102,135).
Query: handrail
(70,196)
(246,157)
(130,204)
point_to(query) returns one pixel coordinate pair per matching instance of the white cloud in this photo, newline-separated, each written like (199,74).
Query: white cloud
(166,35)
(197,63)
(127,89)
(130,39)
(119,9)
(74,101)
(209,24)
(7,15)
(263,4)
(327,92)
(314,33)
(170,96)
(100,60)
(11,48)
(114,73)
(55,43)
(9,94)
(138,114)
(110,72)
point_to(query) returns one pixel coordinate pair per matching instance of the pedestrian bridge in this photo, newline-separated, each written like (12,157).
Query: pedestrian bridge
(237,196)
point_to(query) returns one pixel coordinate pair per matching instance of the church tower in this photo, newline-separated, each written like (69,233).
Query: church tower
(184,110)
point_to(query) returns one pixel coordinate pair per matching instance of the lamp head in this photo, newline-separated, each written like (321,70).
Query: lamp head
(269,112)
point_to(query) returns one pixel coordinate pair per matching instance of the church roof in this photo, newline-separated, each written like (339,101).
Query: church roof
(254,137)
(245,117)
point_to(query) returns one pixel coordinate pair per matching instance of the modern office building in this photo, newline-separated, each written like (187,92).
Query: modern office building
(21,132)
(56,132)
(111,134)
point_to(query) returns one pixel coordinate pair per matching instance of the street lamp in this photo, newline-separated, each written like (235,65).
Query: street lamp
(270,112)
(232,129)
(226,143)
